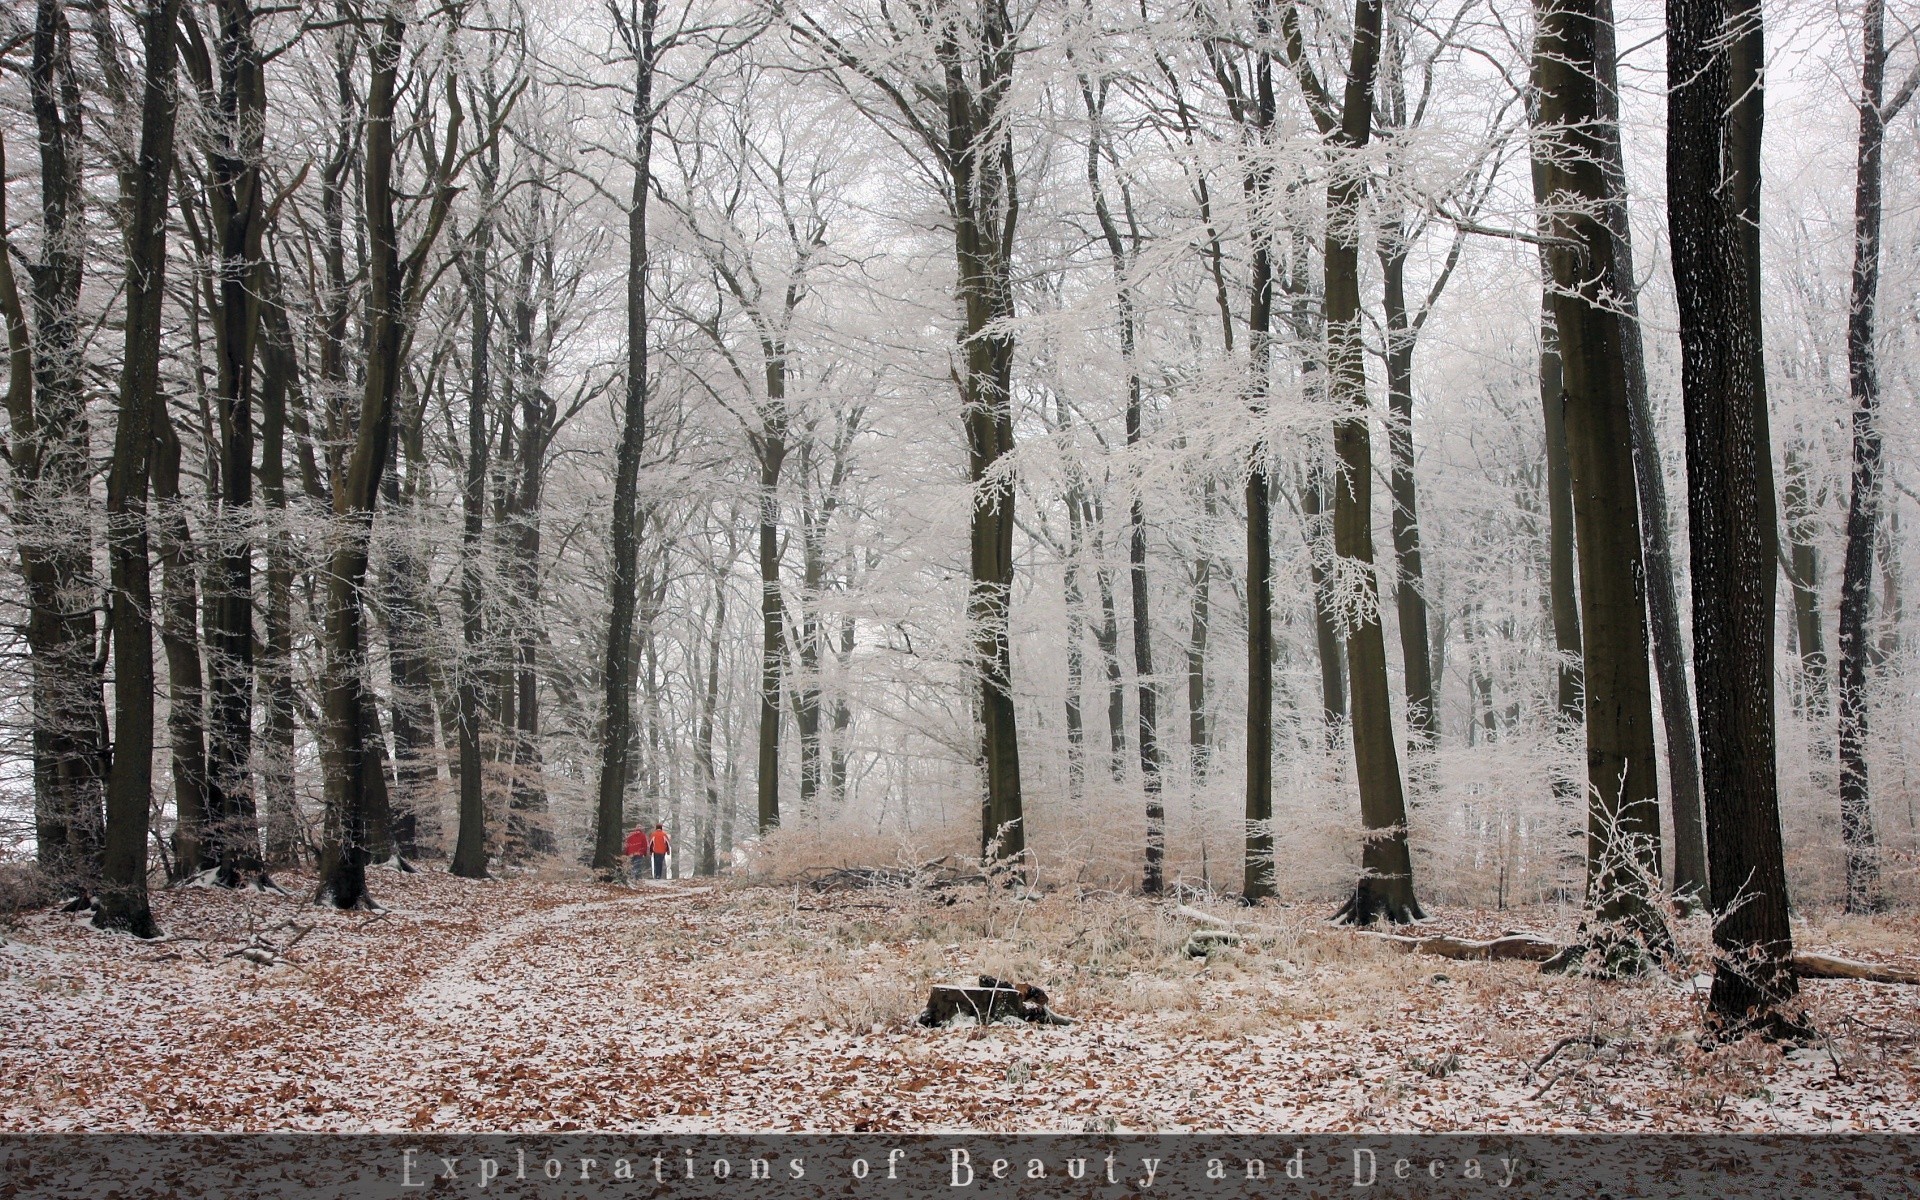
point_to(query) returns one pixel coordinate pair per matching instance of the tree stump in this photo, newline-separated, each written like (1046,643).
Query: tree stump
(988,1001)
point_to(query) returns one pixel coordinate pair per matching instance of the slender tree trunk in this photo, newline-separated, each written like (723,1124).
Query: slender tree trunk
(1662,573)
(238,209)
(53,473)
(1863,506)
(1257,118)
(123,883)
(1326,630)
(470,846)
(1714,113)
(1386,884)
(1199,625)
(180,638)
(1622,786)
(283,824)
(1563,600)
(985,205)
(395,286)
(1076,658)
(616,733)
(1410,601)
(703,742)
(773,452)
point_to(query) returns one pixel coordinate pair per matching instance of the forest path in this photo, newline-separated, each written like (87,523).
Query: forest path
(510,966)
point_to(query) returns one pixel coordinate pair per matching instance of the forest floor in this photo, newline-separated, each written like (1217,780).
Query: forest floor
(524,1005)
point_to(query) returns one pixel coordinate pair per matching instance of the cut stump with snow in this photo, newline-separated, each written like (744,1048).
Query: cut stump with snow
(988,1001)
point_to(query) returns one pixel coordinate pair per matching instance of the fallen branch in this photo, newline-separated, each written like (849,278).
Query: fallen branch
(1531,947)
(1594,1040)
(1508,947)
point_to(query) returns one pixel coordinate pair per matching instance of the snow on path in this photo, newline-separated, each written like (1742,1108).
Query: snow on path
(475,977)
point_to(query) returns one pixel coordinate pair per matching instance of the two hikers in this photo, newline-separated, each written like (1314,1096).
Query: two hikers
(639,846)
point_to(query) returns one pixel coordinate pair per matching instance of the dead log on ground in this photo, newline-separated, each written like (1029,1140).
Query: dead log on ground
(1531,947)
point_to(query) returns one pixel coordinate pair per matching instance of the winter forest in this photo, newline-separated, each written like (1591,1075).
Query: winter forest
(1368,460)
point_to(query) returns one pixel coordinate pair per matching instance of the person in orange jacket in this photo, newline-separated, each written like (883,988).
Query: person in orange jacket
(635,849)
(660,846)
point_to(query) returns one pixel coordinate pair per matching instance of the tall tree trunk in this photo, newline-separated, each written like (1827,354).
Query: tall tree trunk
(1714,112)
(537,416)
(282,825)
(238,210)
(1410,601)
(1863,506)
(1622,786)
(1329,651)
(395,290)
(1386,883)
(180,638)
(1121,251)
(1563,601)
(123,881)
(1662,573)
(1256,113)
(470,846)
(616,731)
(1199,627)
(985,204)
(1076,601)
(53,472)
(703,740)
(772,449)
(1106,637)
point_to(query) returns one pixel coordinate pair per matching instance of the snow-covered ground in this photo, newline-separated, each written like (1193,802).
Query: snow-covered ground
(527,1005)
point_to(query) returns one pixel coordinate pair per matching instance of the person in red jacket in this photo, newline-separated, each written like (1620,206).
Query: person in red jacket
(659,846)
(636,851)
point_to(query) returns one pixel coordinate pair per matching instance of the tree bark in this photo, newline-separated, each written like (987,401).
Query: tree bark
(52,474)
(470,845)
(122,902)
(772,448)
(1714,114)
(984,202)
(616,731)
(1386,883)
(1863,506)
(180,638)
(1622,785)
(395,292)
(1661,574)
(237,97)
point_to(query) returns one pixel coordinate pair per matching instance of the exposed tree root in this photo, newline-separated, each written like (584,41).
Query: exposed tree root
(1369,903)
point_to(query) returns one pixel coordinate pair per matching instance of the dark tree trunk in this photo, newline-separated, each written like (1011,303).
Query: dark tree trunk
(1386,887)
(1199,627)
(616,731)
(395,290)
(1410,601)
(1329,652)
(772,449)
(1863,507)
(1622,784)
(1122,252)
(284,832)
(528,816)
(1662,573)
(983,200)
(1563,601)
(1714,112)
(1255,111)
(52,472)
(470,845)
(123,881)
(180,638)
(237,95)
